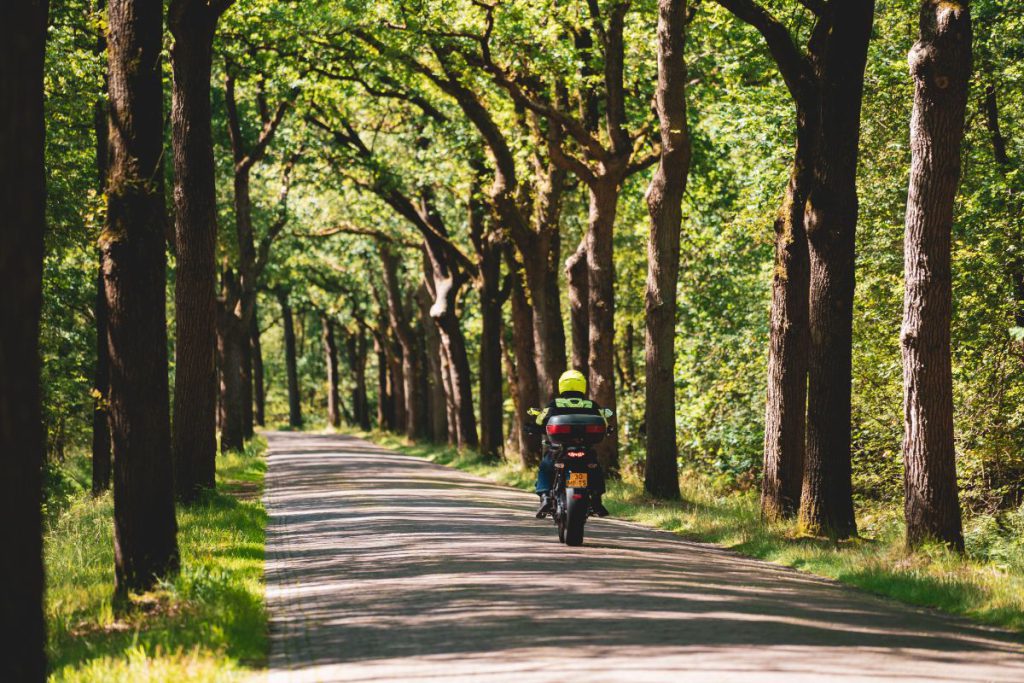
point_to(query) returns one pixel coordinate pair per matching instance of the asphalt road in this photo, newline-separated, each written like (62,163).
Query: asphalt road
(384,567)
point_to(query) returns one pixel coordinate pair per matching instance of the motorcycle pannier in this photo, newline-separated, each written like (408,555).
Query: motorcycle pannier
(576,429)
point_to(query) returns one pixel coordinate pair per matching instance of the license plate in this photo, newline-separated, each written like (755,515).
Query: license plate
(577,480)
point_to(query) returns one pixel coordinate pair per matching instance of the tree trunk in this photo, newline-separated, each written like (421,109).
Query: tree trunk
(248,415)
(786,405)
(409,415)
(22,443)
(259,388)
(384,403)
(546,313)
(940,64)
(826,505)
(579,319)
(134,268)
(355,348)
(291,363)
(438,410)
(526,379)
(454,344)
(604,195)
(490,375)
(331,362)
(192,23)
(664,202)
(629,374)
(229,362)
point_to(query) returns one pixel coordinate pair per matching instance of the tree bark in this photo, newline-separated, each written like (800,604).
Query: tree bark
(579,319)
(229,365)
(527,384)
(385,405)
(252,259)
(356,349)
(488,247)
(664,202)
(192,23)
(248,414)
(604,195)
(940,65)
(291,362)
(436,395)
(786,405)
(22,445)
(826,505)
(490,374)
(134,269)
(331,363)
(258,382)
(409,417)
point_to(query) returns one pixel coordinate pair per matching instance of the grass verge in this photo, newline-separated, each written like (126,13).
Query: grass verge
(207,624)
(987,585)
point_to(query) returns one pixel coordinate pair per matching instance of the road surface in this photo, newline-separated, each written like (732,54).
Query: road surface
(384,567)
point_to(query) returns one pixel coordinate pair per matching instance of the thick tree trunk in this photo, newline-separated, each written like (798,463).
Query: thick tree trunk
(527,389)
(22,449)
(940,64)
(408,417)
(258,382)
(450,408)
(490,375)
(331,363)
(134,268)
(786,406)
(454,344)
(291,362)
(438,411)
(604,195)
(579,318)
(826,502)
(546,313)
(192,23)
(664,202)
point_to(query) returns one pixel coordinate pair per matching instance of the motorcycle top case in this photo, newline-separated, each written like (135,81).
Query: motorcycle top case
(576,429)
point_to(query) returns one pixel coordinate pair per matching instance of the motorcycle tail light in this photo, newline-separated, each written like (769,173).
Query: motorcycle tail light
(559,429)
(576,454)
(595,429)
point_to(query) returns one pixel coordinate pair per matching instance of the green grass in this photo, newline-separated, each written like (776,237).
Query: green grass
(987,585)
(207,624)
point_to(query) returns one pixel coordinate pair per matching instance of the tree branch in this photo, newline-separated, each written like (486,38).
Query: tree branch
(791,62)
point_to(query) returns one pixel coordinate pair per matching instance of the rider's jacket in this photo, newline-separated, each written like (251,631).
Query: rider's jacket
(569,402)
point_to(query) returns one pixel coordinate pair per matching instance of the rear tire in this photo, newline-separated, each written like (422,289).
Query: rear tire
(575,518)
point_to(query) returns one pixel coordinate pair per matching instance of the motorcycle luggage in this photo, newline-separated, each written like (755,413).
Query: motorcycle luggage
(576,429)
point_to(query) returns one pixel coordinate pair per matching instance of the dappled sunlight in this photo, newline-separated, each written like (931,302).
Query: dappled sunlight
(381,566)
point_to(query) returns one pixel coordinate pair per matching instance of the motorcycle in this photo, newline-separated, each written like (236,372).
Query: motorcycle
(570,440)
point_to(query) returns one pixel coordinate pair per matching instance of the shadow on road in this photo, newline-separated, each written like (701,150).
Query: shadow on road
(382,566)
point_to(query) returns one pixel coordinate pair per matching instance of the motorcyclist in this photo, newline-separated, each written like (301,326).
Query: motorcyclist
(571,399)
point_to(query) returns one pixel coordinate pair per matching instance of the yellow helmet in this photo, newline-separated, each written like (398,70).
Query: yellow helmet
(572,380)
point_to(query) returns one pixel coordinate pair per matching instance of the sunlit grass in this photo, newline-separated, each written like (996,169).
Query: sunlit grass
(207,624)
(987,585)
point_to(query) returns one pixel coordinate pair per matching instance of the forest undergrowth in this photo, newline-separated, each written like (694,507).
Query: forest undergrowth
(986,584)
(209,623)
